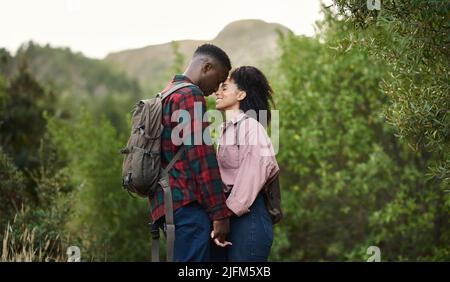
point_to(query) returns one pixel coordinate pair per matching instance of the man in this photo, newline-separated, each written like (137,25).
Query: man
(195,181)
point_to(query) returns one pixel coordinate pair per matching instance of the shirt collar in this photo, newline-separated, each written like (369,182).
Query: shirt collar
(238,118)
(181,78)
(234,120)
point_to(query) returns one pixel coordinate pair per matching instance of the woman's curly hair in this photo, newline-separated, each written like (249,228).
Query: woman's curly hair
(255,84)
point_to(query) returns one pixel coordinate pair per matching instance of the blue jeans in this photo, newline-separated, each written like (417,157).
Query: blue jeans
(251,235)
(192,233)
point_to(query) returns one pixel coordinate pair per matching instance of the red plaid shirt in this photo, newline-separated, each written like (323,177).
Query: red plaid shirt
(196,176)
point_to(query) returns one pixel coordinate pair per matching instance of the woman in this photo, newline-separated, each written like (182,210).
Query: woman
(246,161)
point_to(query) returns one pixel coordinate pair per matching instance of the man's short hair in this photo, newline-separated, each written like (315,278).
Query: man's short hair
(215,52)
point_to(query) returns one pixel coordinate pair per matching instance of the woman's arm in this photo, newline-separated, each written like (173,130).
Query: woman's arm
(255,168)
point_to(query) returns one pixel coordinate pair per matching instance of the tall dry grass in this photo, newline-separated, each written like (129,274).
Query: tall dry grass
(24,246)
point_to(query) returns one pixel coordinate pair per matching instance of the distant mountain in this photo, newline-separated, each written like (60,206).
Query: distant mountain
(251,42)
(247,42)
(71,73)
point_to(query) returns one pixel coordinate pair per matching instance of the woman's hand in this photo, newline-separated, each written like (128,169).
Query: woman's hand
(218,243)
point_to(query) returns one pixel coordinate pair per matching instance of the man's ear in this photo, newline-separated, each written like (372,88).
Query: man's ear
(206,67)
(241,95)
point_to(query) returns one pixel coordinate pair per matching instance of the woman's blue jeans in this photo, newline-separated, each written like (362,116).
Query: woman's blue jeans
(251,235)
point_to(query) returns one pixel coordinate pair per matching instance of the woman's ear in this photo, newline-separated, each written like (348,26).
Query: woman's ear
(241,95)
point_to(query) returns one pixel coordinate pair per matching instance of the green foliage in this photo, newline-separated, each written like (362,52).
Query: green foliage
(348,183)
(12,187)
(72,184)
(111,224)
(34,229)
(22,124)
(411,38)
(78,81)
(5,59)
(31,201)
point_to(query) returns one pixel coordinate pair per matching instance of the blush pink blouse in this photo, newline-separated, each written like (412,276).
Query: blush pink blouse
(247,165)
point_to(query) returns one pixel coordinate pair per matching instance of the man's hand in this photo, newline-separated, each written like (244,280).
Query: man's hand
(221,228)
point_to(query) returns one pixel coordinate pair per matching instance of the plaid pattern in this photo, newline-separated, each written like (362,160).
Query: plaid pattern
(196,176)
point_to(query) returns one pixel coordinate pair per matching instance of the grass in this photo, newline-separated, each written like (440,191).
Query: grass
(23,245)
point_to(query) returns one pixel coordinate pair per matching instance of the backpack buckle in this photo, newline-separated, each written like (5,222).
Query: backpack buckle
(126,180)
(141,129)
(155,231)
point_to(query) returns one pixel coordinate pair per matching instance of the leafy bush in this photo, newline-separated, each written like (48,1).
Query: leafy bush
(348,182)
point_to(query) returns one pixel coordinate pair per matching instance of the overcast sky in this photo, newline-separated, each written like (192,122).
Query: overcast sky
(97,27)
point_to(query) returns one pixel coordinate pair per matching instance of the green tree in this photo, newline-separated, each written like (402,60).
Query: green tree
(412,39)
(348,182)
(34,229)
(12,187)
(22,124)
(111,225)
(78,81)
(5,61)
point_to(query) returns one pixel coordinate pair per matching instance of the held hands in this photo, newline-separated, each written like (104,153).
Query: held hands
(216,240)
(221,228)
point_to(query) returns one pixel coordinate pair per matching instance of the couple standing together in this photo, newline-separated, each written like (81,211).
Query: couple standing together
(219,210)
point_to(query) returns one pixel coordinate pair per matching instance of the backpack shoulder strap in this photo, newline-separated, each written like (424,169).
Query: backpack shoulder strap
(175,158)
(173,89)
(168,209)
(163,96)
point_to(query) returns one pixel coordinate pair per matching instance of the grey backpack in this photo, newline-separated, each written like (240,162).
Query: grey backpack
(142,173)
